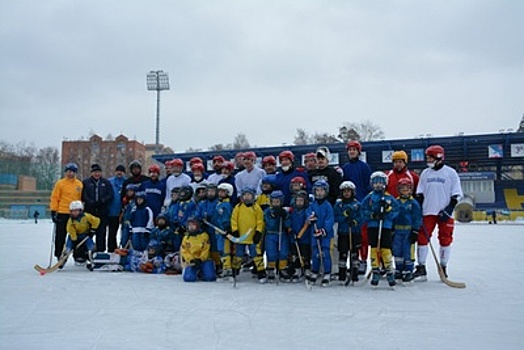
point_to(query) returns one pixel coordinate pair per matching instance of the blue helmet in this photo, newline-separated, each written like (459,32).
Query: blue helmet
(252,192)
(132,187)
(140,194)
(378,180)
(71,166)
(270,179)
(277,195)
(322,184)
(154,247)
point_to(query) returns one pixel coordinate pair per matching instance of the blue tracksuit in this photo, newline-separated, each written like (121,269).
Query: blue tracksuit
(409,218)
(345,222)
(155,195)
(115,207)
(325,220)
(283,181)
(141,223)
(125,223)
(359,173)
(276,238)
(222,220)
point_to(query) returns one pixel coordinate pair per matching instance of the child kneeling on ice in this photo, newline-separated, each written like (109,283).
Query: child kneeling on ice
(80,226)
(196,254)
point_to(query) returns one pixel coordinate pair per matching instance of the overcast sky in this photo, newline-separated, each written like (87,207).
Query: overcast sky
(262,68)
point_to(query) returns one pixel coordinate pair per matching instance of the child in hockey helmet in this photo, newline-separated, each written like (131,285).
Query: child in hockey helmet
(248,196)
(405,187)
(320,190)
(378,181)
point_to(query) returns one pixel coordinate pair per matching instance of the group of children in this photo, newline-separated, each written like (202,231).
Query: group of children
(203,236)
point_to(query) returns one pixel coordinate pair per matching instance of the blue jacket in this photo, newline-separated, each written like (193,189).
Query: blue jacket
(409,215)
(371,206)
(345,221)
(155,194)
(283,180)
(224,209)
(273,222)
(115,208)
(298,219)
(206,209)
(359,173)
(325,218)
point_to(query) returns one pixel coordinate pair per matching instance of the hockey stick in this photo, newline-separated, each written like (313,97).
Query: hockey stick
(303,230)
(380,223)
(229,236)
(61,261)
(279,247)
(441,273)
(53,237)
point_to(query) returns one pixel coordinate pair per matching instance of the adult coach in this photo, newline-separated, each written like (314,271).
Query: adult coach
(66,190)
(438,192)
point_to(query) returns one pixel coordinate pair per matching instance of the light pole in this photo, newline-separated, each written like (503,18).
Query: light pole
(157,81)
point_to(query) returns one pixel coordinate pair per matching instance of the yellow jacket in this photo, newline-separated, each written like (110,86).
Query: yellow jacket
(245,218)
(81,225)
(65,191)
(195,247)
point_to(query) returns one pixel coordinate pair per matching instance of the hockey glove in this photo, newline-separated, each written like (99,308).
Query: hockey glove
(312,219)
(54,217)
(92,232)
(447,213)
(320,233)
(385,205)
(257,237)
(235,234)
(181,230)
(413,236)
(196,262)
(378,216)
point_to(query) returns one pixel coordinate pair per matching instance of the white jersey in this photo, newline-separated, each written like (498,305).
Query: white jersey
(438,186)
(214,178)
(245,179)
(175,181)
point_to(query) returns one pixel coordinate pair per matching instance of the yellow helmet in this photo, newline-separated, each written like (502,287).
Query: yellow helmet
(400,155)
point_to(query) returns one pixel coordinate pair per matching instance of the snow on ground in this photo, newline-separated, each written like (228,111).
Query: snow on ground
(77,309)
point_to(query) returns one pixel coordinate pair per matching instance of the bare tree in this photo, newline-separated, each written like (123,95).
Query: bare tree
(241,141)
(363,131)
(302,137)
(220,147)
(324,138)
(46,167)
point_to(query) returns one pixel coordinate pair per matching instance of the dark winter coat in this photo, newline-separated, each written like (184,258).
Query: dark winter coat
(97,196)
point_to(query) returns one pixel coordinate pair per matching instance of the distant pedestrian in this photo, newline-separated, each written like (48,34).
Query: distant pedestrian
(36,214)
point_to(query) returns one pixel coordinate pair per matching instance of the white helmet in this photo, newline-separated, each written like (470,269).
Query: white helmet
(76,205)
(347,185)
(226,187)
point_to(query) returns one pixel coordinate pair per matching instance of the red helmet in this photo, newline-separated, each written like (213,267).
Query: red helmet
(300,180)
(269,160)
(405,181)
(249,154)
(218,159)
(195,160)
(310,155)
(177,162)
(167,163)
(435,151)
(153,168)
(229,165)
(197,166)
(286,154)
(354,143)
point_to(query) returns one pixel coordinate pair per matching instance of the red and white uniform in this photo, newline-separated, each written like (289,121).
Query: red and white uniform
(437,187)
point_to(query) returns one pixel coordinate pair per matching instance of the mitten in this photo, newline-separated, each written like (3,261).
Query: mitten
(413,236)
(54,217)
(257,237)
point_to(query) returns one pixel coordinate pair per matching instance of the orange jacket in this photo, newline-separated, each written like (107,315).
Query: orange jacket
(65,191)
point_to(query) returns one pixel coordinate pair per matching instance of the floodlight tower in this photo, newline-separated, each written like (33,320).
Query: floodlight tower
(157,81)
